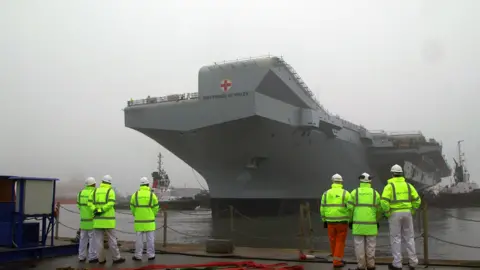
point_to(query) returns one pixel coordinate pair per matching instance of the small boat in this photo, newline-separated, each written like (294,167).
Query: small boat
(462,192)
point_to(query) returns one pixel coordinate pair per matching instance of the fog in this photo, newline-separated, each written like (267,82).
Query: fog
(67,69)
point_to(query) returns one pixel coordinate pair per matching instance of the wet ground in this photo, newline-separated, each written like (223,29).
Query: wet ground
(454,233)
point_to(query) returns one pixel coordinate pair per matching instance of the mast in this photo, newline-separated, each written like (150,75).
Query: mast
(461,161)
(160,163)
(161,182)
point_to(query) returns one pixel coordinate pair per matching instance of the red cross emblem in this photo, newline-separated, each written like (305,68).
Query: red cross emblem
(225,85)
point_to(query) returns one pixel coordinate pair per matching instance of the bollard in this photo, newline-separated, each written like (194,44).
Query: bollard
(309,227)
(58,219)
(165,228)
(231,218)
(301,219)
(425,235)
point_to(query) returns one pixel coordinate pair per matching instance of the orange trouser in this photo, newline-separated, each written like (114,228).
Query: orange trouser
(337,234)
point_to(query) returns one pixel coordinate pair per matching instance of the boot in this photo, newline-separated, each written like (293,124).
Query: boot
(120,260)
(391,267)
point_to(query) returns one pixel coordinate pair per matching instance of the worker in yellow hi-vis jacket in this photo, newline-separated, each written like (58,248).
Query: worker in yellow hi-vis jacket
(399,201)
(102,203)
(86,233)
(144,207)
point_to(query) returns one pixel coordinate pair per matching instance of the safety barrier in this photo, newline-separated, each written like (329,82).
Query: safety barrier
(306,238)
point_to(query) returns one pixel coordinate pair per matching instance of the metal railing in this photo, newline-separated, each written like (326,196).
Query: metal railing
(406,133)
(244,59)
(169,98)
(302,84)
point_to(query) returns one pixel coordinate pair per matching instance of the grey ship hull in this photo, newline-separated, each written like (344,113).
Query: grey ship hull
(263,146)
(297,167)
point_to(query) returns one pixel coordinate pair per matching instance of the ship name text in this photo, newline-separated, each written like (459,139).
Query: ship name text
(221,96)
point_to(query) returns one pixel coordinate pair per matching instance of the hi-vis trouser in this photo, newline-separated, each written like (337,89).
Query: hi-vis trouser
(337,229)
(401,225)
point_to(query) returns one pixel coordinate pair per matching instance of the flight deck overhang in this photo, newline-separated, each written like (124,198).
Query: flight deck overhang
(428,157)
(187,114)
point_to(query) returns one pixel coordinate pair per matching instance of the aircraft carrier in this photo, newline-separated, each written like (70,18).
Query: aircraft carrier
(264,144)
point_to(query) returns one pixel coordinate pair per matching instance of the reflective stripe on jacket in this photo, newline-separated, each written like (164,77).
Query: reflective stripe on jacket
(365,206)
(144,207)
(103,199)
(334,204)
(399,196)
(86,214)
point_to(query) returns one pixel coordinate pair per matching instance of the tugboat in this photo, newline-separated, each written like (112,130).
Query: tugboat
(203,198)
(161,187)
(462,192)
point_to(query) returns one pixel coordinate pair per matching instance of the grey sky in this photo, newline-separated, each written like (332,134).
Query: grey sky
(67,69)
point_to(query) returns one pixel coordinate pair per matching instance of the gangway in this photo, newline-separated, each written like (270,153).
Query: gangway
(27,218)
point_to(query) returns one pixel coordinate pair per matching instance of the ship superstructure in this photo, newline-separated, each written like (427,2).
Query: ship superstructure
(263,143)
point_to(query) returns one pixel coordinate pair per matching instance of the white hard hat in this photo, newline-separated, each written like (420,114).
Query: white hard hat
(337,178)
(144,181)
(90,181)
(396,169)
(365,177)
(107,179)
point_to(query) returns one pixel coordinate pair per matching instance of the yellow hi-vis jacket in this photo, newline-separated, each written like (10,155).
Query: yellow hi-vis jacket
(333,207)
(86,214)
(365,206)
(399,196)
(144,207)
(103,199)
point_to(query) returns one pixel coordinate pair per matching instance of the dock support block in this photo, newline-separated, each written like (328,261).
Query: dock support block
(219,246)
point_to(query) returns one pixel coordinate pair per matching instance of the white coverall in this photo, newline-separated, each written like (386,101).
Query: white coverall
(400,199)
(365,246)
(401,224)
(112,242)
(150,244)
(87,238)
(144,207)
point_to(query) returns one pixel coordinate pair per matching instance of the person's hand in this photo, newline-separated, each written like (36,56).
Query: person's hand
(325,225)
(378,225)
(97,212)
(350,225)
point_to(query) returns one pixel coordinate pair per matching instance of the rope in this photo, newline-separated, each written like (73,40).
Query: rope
(206,212)
(464,219)
(276,238)
(73,229)
(452,243)
(66,226)
(385,245)
(235,211)
(196,178)
(76,212)
(187,234)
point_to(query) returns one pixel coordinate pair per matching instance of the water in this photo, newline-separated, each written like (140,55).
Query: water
(455,225)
